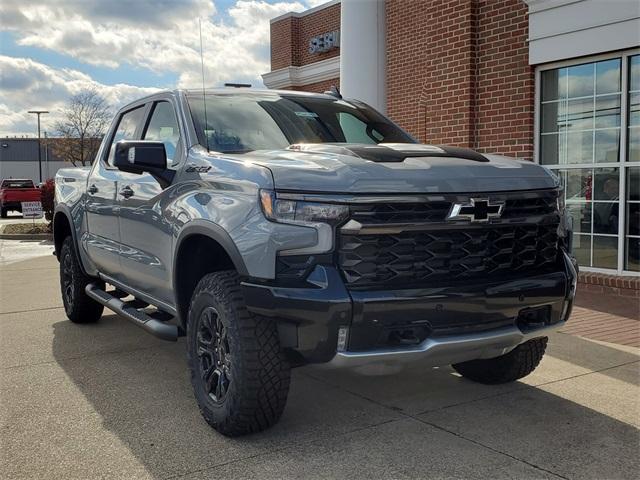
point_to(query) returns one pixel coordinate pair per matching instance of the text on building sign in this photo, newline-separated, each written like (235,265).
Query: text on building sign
(325,42)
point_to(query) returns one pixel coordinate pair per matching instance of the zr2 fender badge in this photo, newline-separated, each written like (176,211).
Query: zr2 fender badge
(198,168)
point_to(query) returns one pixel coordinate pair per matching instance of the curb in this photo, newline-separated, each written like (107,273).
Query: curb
(26,236)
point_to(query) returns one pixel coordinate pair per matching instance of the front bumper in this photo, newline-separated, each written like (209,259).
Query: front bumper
(436,325)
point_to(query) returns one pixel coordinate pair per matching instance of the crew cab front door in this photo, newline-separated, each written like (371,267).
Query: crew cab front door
(102,240)
(145,223)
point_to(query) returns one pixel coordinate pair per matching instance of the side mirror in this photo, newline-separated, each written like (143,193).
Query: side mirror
(139,156)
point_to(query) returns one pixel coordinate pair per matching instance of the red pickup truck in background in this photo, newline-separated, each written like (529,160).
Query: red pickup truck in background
(14,191)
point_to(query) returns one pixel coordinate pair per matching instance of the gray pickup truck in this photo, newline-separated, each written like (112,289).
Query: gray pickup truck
(276,229)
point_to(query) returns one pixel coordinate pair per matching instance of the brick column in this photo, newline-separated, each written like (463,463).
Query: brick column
(458,73)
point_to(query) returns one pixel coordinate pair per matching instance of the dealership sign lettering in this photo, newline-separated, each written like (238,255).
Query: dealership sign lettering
(325,42)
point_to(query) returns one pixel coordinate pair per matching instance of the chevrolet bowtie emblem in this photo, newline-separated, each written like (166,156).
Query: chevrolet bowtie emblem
(477,210)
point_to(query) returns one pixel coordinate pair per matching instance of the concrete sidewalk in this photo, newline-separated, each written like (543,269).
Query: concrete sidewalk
(109,401)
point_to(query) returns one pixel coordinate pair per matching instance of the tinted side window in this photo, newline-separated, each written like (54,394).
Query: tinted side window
(126,128)
(163,127)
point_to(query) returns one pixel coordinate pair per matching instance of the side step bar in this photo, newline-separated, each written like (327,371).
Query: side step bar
(155,327)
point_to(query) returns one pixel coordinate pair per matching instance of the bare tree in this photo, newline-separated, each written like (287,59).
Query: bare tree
(85,121)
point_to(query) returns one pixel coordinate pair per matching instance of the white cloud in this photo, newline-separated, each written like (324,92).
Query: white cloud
(29,85)
(160,35)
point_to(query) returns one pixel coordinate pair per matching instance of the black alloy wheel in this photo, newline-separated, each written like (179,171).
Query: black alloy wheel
(213,353)
(78,306)
(68,290)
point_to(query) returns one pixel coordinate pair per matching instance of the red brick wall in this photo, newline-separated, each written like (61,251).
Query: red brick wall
(458,73)
(283,42)
(290,37)
(429,69)
(505,86)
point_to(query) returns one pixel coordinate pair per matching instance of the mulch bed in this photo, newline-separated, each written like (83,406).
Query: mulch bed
(26,228)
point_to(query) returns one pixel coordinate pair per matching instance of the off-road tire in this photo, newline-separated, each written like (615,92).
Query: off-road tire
(258,372)
(518,363)
(79,307)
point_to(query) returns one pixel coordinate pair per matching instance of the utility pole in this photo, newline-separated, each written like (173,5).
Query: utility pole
(46,154)
(38,113)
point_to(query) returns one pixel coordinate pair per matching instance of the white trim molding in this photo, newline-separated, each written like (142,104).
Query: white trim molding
(306,12)
(305,75)
(563,29)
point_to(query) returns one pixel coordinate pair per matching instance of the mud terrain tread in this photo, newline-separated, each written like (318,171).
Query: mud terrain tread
(516,364)
(84,309)
(261,374)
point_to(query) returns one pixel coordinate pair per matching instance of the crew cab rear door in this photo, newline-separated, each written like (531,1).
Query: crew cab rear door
(102,241)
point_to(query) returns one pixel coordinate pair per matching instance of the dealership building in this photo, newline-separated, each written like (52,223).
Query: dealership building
(553,81)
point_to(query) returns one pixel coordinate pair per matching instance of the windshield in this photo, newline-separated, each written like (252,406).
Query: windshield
(238,123)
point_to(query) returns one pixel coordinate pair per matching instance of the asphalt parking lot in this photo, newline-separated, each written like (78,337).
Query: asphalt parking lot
(109,401)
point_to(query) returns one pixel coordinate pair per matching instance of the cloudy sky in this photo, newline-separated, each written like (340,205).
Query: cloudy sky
(51,49)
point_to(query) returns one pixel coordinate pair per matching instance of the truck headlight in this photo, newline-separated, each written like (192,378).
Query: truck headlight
(300,212)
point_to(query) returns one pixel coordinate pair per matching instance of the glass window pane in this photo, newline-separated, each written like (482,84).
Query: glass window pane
(580,147)
(634,73)
(581,80)
(579,184)
(634,109)
(605,217)
(634,145)
(554,116)
(582,249)
(129,123)
(581,214)
(552,149)
(607,146)
(633,219)
(608,111)
(633,183)
(606,185)
(632,260)
(605,252)
(580,114)
(163,127)
(608,76)
(554,84)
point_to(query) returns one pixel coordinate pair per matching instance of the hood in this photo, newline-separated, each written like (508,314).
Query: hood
(397,168)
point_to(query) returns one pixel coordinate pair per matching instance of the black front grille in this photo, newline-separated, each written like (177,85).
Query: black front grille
(527,207)
(527,204)
(384,213)
(423,257)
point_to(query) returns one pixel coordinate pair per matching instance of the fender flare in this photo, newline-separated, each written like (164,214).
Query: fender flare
(214,232)
(61,209)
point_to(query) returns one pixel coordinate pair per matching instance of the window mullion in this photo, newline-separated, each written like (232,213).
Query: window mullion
(622,198)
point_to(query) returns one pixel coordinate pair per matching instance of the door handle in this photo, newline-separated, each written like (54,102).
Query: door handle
(126,192)
(92,189)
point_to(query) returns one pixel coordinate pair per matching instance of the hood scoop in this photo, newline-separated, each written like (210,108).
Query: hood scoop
(389,152)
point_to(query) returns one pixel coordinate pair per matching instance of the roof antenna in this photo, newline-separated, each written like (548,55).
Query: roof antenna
(204,99)
(334,92)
